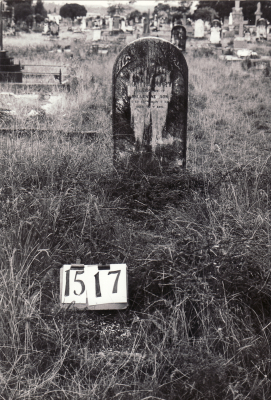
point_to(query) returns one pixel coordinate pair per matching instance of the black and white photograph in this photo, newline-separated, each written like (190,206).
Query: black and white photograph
(135,220)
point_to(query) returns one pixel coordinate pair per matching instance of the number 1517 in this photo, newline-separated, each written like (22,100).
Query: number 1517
(93,285)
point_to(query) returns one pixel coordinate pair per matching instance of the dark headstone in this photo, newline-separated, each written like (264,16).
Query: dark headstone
(95,49)
(9,72)
(150,89)
(146,26)
(116,22)
(178,36)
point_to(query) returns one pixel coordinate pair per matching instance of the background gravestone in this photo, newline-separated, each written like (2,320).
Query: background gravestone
(150,87)
(178,36)
(215,37)
(199,29)
(261,29)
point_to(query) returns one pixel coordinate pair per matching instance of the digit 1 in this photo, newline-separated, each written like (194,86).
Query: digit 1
(97,285)
(67,286)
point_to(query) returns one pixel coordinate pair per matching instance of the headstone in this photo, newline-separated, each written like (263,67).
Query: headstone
(150,90)
(178,36)
(230,19)
(116,22)
(84,24)
(96,35)
(146,26)
(9,72)
(199,29)
(248,37)
(261,29)
(95,49)
(155,21)
(123,26)
(110,24)
(45,28)
(215,37)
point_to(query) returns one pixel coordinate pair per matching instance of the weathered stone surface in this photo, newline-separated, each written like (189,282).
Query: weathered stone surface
(150,88)
(178,36)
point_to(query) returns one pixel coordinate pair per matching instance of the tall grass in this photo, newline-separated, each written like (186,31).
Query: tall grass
(197,246)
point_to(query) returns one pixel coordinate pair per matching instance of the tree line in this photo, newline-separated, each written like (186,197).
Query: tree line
(25,11)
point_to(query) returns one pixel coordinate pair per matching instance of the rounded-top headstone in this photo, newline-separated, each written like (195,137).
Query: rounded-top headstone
(150,89)
(178,36)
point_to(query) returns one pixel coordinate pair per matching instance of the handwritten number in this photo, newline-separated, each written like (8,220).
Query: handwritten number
(97,285)
(67,286)
(115,287)
(81,282)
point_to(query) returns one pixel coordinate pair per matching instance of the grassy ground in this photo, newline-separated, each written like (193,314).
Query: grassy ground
(197,246)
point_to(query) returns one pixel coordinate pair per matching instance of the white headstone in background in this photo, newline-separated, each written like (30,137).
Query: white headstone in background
(199,29)
(45,28)
(110,24)
(230,19)
(215,37)
(96,35)
(84,24)
(122,26)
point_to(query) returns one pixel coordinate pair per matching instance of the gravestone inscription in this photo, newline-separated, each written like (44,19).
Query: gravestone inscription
(178,36)
(150,89)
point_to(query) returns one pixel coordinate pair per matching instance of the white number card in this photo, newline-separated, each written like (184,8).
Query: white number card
(97,287)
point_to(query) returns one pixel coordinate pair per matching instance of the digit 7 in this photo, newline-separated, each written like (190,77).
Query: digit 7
(115,287)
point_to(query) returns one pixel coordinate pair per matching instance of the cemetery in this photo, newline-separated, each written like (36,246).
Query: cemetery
(134,206)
